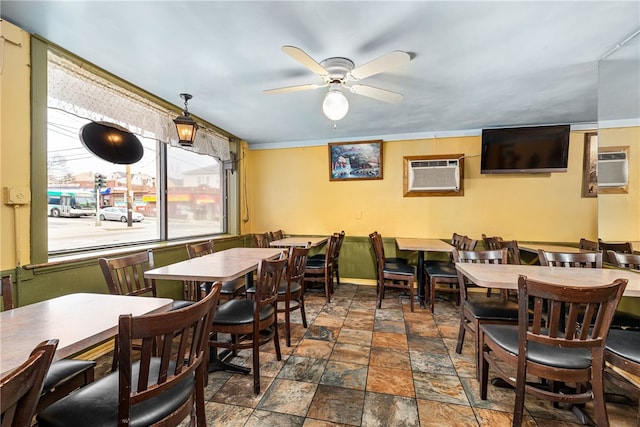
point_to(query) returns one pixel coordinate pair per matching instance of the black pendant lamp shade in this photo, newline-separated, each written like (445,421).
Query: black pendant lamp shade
(111,142)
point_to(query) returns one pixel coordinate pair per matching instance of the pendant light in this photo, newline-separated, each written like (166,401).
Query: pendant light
(185,125)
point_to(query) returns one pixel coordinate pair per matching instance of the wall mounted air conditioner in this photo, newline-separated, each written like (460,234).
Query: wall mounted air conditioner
(613,169)
(434,175)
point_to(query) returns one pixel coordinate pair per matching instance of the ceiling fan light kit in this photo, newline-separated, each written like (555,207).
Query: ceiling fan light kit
(335,105)
(337,72)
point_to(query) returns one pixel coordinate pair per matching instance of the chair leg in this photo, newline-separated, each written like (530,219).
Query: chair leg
(410,283)
(276,340)
(597,388)
(484,369)
(432,293)
(461,332)
(327,288)
(302,310)
(521,377)
(256,363)
(287,321)
(380,296)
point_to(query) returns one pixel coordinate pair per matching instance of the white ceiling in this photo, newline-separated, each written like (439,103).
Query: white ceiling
(474,64)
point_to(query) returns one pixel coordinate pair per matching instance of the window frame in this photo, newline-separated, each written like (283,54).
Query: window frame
(39,152)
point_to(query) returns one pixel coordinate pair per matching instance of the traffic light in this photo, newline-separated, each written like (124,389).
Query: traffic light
(100,180)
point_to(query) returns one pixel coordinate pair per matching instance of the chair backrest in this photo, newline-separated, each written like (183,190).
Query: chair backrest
(467,244)
(566,316)
(7,293)
(570,259)
(276,235)
(378,251)
(125,275)
(456,240)
(513,250)
(202,248)
(491,242)
(631,261)
(338,246)
(496,256)
(297,264)
(270,274)
(21,389)
(180,338)
(260,240)
(621,247)
(588,245)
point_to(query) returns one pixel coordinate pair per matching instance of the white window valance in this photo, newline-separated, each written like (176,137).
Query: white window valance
(85,94)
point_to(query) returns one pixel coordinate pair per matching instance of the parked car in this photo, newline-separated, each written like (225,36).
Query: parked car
(119,214)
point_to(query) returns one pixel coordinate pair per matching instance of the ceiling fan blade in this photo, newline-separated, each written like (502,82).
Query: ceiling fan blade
(293,88)
(376,93)
(302,57)
(378,65)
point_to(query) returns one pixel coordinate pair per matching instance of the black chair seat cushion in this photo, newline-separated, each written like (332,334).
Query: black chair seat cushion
(63,370)
(441,270)
(239,312)
(178,304)
(488,308)
(96,405)
(398,269)
(316,257)
(625,344)
(229,287)
(622,320)
(568,358)
(315,263)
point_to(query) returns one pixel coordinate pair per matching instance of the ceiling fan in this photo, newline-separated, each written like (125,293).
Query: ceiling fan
(338,73)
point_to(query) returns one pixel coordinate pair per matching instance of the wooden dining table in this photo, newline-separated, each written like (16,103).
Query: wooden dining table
(299,241)
(79,321)
(224,265)
(505,276)
(422,245)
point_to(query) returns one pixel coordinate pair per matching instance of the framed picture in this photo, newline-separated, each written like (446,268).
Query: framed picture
(350,161)
(590,165)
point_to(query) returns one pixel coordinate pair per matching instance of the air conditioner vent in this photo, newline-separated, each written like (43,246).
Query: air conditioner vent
(434,175)
(613,169)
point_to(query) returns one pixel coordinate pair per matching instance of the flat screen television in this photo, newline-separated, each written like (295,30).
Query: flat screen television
(537,149)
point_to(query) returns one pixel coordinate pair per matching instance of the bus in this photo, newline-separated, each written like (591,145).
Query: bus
(71,203)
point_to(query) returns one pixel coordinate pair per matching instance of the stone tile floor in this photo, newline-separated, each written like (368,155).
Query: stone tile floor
(356,365)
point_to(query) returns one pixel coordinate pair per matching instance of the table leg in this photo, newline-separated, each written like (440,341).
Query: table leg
(217,363)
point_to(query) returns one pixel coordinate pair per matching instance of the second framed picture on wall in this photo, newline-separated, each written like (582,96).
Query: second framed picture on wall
(350,161)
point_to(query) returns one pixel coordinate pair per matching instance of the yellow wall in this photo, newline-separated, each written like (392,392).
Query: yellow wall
(619,214)
(290,189)
(15,140)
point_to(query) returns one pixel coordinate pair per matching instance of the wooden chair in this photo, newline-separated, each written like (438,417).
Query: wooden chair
(160,387)
(230,289)
(622,354)
(336,259)
(624,260)
(620,247)
(252,322)
(570,259)
(276,235)
(491,243)
(125,276)
(556,351)
(446,273)
(479,309)
(588,245)
(21,388)
(513,254)
(291,292)
(260,240)
(622,319)
(321,270)
(63,376)
(391,275)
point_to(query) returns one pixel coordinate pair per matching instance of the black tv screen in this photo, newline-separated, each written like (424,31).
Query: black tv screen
(538,149)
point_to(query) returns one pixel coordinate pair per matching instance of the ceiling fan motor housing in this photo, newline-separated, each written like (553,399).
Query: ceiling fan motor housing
(337,68)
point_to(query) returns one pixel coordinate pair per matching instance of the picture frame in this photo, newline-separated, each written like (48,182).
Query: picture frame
(590,165)
(352,161)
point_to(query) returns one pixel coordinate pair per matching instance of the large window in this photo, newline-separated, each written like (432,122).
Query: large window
(130,206)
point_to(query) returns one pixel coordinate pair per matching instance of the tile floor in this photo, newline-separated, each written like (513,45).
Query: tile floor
(356,365)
